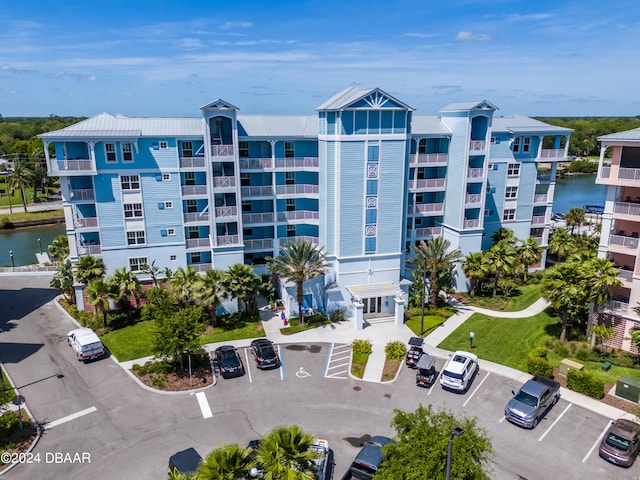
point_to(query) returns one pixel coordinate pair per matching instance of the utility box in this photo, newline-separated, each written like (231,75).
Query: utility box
(628,388)
(567,364)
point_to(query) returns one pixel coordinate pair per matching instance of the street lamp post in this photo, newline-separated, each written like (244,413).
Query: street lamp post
(455,432)
(13,263)
(40,245)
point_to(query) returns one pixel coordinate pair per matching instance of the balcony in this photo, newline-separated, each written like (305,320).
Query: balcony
(223,240)
(298,215)
(553,153)
(224,182)
(259,244)
(427,184)
(427,208)
(539,241)
(222,150)
(477,145)
(266,217)
(538,220)
(258,191)
(296,162)
(474,223)
(622,242)
(89,250)
(200,267)
(196,217)
(472,198)
(79,194)
(543,177)
(477,173)
(302,238)
(540,198)
(198,243)
(297,189)
(625,275)
(85,222)
(190,190)
(433,159)
(191,162)
(615,307)
(627,209)
(226,211)
(255,163)
(75,166)
(428,232)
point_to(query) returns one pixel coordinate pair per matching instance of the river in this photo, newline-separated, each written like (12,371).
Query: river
(577,191)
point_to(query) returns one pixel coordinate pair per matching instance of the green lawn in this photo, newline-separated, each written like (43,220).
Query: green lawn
(520,298)
(310,322)
(431,322)
(595,368)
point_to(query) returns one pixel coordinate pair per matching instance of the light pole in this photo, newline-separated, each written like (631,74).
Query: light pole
(40,245)
(13,263)
(455,432)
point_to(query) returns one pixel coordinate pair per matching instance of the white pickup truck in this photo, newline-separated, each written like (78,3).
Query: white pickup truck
(85,343)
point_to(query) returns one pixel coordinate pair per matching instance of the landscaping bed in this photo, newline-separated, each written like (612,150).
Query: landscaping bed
(13,440)
(177,381)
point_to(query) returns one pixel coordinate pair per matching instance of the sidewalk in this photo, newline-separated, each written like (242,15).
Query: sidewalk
(33,207)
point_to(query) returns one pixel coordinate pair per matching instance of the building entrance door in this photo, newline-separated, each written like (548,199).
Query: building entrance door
(372,305)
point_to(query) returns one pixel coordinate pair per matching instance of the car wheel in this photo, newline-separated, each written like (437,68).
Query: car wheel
(535,422)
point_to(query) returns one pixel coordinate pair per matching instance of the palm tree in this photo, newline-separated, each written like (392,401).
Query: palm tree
(238,282)
(228,462)
(600,276)
(574,218)
(501,258)
(209,291)
(63,280)
(504,235)
(529,253)
(20,177)
(59,249)
(126,285)
(561,286)
(298,262)
(285,454)
(99,292)
(182,285)
(475,268)
(89,268)
(436,261)
(561,243)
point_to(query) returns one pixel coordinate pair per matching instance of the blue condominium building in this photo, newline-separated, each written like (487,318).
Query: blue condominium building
(364,177)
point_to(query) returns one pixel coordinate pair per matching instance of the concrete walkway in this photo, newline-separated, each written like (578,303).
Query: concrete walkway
(33,207)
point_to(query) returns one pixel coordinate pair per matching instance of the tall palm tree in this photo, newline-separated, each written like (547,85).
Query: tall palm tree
(529,253)
(20,178)
(59,249)
(99,292)
(182,285)
(562,287)
(561,243)
(126,285)
(238,282)
(475,268)
(229,462)
(209,291)
(436,261)
(575,218)
(285,454)
(298,262)
(89,268)
(600,276)
(502,258)
(63,280)
(504,235)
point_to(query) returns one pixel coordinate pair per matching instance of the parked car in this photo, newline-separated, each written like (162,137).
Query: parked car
(264,353)
(368,459)
(532,401)
(85,343)
(621,443)
(227,361)
(459,371)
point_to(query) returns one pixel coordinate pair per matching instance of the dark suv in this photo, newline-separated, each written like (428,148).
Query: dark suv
(366,463)
(264,353)
(228,362)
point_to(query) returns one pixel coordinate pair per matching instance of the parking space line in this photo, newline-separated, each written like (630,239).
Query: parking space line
(476,389)
(282,373)
(502,419)
(597,441)
(246,355)
(328,360)
(204,405)
(68,418)
(431,387)
(337,359)
(554,422)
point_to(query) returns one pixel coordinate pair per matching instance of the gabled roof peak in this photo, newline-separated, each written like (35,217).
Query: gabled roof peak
(219,104)
(373,97)
(466,106)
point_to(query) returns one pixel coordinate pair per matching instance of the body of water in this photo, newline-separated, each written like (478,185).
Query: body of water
(577,191)
(23,242)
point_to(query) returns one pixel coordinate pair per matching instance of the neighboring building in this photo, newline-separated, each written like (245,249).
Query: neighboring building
(620,230)
(365,178)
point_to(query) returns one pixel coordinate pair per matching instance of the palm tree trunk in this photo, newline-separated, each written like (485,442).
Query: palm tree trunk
(565,322)
(24,199)
(239,309)
(300,299)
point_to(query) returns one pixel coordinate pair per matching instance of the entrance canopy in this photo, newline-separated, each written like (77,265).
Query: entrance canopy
(359,292)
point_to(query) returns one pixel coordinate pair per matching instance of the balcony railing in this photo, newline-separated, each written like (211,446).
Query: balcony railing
(539,240)
(615,306)
(82,194)
(296,162)
(475,173)
(471,198)
(538,220)
(258,244)
(223,240)
(428,232)
(428,158)
(255,163)
(540,198)
(200,267)
(76,165)
(221,150)
(257,191)
(188,190)
(298,189)
(86,222)
(302,238)
(191,162)
(198,242)
(626,208)
(544,176)
(477,145)
(298,215)
(474,223)
(552,153)
(226,211)
(266,217)
(605,172)
(428,208)
(224,182)
(196,217)
(426,183)
(624,241)
(626,275)
(89,249)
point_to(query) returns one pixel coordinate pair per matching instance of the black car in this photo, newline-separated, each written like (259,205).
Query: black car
(228,362)
(264,353)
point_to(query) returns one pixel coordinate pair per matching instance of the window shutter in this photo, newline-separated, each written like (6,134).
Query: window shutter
(163,233)
(158,178)
(161,205)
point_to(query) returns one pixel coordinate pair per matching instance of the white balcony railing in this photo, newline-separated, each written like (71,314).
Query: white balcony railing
(477,145)
(266,217)
(200,267)
(86,222)
(257,191)
(605,172)
(428,232)
(191,162)
(297,189)
(298,215)
(196,217)
(474,223)
(255,163)
(76,165)
(552,153)
(544,176)
(223,240)
(626,208)
(615,306)
(626,275)
(429,208)
(475,173)
(82,194)
(302,238)
(540,198)
(222,150)
(428,159)
(224,182)
(538,220)
(198,242)
(539,240)
(188,190)
(624,241)
(226,211)
(296,162)
(89,249)
(258,244)
(426,183)
(471,198)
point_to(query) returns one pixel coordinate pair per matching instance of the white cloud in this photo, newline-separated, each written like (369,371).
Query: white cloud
(470,36)
(230,25)
(527,17)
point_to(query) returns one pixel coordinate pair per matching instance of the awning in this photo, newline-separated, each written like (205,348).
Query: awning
(375,290)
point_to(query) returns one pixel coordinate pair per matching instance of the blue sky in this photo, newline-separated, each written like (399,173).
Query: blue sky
(168,58)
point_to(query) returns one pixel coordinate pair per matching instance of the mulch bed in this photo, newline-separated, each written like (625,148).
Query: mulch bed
(21,440)
(177,382)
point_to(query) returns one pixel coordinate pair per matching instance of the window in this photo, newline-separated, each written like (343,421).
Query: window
(511,192)
(291,230)
(168,204)
(130,182)
(133,210)
(290,204)
(173,258)
(289,178)
(419,197)
(522,144)
(488,212)
(370,245)
(526,145)
(166,177)
(196,257)
(135,238)
(516,145)
(110,152)
(127,152)
(509,214)
(289,151)
(189,178)
(371,216)
(164,145)
(171,231)
(489,166)
(187,149)
(513,169)
(374,153)
(493,139)
(422,146)
(191,206)
(243,149)
(246,205)
(372,187)
(137,264)
(245,179)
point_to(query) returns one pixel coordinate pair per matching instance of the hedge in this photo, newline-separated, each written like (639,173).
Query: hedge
(537,363)
(585,382)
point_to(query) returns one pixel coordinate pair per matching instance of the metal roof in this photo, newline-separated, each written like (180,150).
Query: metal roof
(351,95)
(522,124)
(465,106)
(428,125)
(626,135)
(374,290)
(278,126)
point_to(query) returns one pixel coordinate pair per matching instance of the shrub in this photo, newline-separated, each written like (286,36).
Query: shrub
(337,315)
(582,354)
(540,352)
(395,350)
(361,346)
(9,424)
(562,349)
(585,382)
(539,366)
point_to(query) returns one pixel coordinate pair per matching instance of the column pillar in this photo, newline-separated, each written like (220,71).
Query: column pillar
(359,315)
(399,311)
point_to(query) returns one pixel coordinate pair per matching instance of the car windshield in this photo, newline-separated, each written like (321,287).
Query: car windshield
(527,399)
(228,359)
(267,352)
(455,375)
(617,442)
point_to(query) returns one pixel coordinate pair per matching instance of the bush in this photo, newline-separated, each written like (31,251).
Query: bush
(582,354)
(586,383)
(361,346)
(395,350)
(337,315)
(540,352)
(539,366)
(9,424)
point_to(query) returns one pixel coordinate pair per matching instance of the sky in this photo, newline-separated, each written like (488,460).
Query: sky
(168,58)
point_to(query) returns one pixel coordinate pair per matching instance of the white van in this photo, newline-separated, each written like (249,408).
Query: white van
(86,343)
